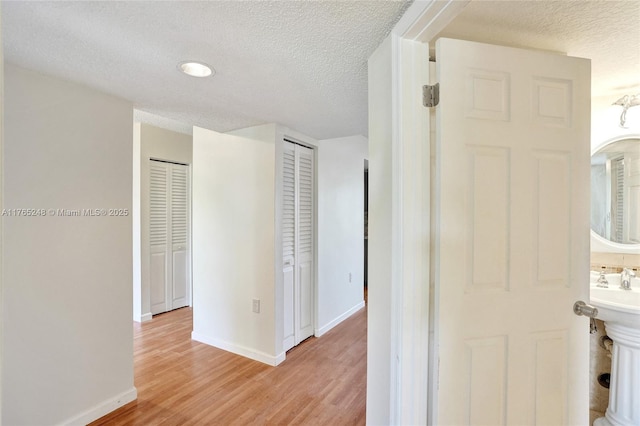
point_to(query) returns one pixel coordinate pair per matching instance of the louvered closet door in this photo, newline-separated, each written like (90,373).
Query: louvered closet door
(180,236)
(304,244)
(298,243)
(169,236)
(158,234)
(288,241)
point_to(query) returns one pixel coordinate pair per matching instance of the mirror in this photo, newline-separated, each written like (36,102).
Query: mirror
(615,191)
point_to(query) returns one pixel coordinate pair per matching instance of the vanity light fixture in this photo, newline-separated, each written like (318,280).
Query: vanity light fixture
(626,102)
(196,69)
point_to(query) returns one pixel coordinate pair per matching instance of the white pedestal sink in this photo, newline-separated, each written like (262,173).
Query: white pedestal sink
(620,311)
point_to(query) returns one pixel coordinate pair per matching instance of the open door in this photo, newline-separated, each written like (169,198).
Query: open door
(512,236)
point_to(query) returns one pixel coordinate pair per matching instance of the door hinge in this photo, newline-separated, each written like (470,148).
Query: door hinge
(431,95)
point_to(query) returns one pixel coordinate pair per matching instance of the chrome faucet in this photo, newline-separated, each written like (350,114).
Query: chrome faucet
(602,281)
(625,278)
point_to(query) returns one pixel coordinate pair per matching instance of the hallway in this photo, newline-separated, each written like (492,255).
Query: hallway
(183,382)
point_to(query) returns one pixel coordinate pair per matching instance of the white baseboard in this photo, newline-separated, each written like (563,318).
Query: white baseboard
(238,349)
(322,330)
(102,409)
(143,318)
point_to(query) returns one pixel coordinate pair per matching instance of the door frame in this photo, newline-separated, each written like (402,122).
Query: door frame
(402,338)
(405,300)
(1,200)
(280,134)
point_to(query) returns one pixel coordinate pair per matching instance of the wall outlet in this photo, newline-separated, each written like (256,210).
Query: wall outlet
(256,306)
(350,277)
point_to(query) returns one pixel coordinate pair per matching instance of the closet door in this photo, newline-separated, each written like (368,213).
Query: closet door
(298,243)
(169,232)
(181,273)
(304,243)
(288,241)
(158,234)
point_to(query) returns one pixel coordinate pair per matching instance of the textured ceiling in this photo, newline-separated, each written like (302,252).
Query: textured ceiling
(607,32)
(298,63)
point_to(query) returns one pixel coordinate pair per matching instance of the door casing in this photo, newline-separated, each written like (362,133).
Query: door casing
(394,396)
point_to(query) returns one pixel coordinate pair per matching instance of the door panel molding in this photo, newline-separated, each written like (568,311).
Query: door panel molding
(524,199)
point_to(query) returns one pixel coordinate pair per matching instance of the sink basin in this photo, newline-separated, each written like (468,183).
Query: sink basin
(615,304)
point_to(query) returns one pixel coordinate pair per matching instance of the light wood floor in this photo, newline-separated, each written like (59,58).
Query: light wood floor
(183,382)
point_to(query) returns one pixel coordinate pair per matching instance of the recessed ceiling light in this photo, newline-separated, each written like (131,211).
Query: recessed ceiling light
(195,69)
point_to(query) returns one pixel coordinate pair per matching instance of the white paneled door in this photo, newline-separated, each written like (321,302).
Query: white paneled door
(169,233)
(512,246)
(298,243)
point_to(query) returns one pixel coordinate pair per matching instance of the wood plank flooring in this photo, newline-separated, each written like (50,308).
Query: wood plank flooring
(183,382)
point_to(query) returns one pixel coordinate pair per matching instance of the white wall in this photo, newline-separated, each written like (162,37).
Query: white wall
(340,229)
(68,340)
(263,132)
(136,217)
(160,144)
(273,133)
(379,342)
(233,244)
(276,133)
(605,120)
(605,126)
(340,222)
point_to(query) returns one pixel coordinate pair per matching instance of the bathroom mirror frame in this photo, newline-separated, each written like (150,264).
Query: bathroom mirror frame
(617,247)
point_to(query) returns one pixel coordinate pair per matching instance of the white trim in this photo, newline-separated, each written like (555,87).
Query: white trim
(239,349)
(629,135)
(379,342)
(280,358)
(103,408)
(410,229)
(1,205)
(397,204)
(146,317)
(297,137)
(323,330)
(136,222)
(278,302)
(425,19)
(409,304)
(413,300)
